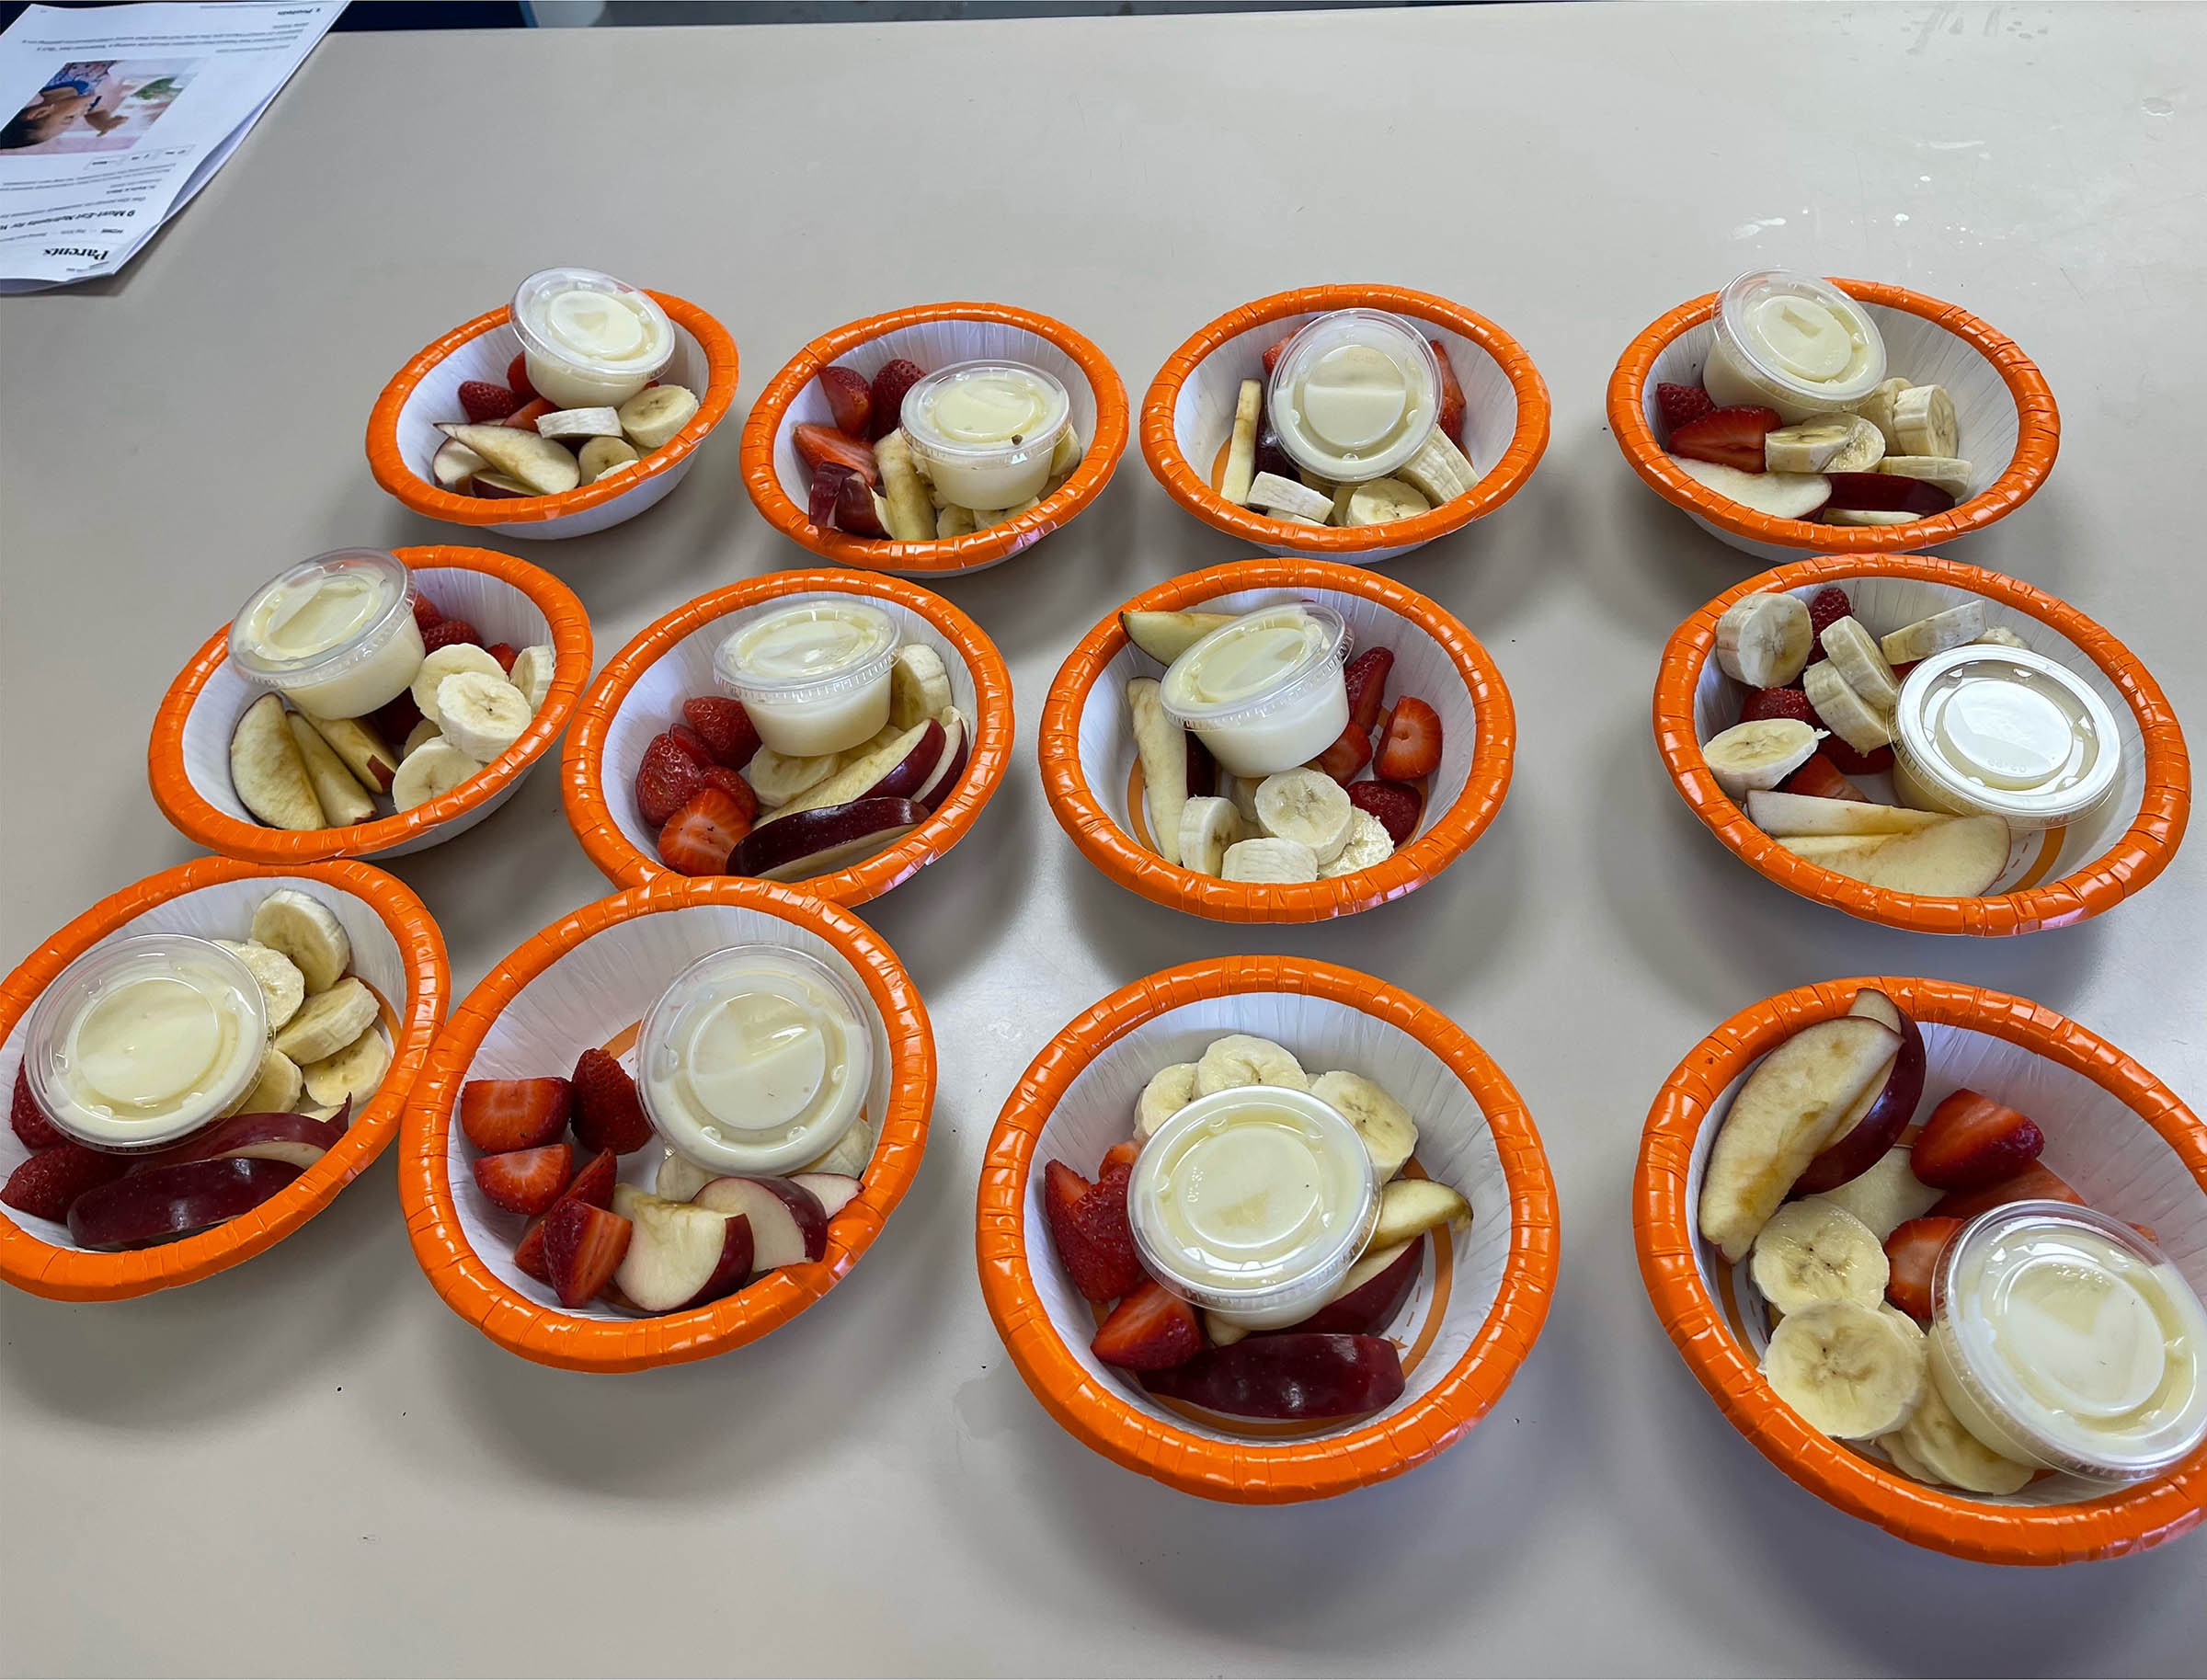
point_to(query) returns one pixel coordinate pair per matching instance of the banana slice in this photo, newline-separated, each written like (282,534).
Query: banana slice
(1242,791)
(952,520)
(1763,639)
(1948,473)
(1241,447)
(1854,655)
(1369,843)
(1877,408)
(433,768)
(267,773)
(777,778)
(307,930)
(327,1022)
(1953,628)
(1831,443)
(1849,1370)
(1813,1251)
(1207,827)
(353,1072)
(1933,1439)
(449,662)
(1306,806)
(1389,1135)
(1170,1089)
(275,1088)
(852,1153)
(1439,471)
(1922,422)
(282,987)
(656,413)
(1163,747)
(481,715)
(1241,1058)
(1852,718)
(2000,635)
(1905,1461)
(422,731)
(1377,500)
(919,686)
(1867,516)
(1759,755)
(1271,861)
(532,674)
(1289,496)
(604,455)
(343,801)
(1065,455)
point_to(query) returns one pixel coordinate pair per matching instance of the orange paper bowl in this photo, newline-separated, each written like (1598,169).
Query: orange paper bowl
(1473,1317)
(588,979)
(505,599)
(1086,750)
(398,950)
(1189,412)
(2052,880)
(642,688)
(403,435)
(935,336)
(2010,429)
(2114,1131)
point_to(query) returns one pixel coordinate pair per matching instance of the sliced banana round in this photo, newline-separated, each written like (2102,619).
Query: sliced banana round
(327,1022)
(1853,651)
(275,1089)
(433,768)
(353,1072)
(1829,443)
(1905,1461)
(1377,500)
(1877,408)
(1817,1251)
(422,731)
(1944,471)
(656,413)
(1955,627)
(777,778)
(1439,471)
(1170,1089)
(2000,635)
(1306,806)
(449,662)
(1852,718)
(852,1153)
(1241,1058)
(481,715)
(1369,843)
(1933,1436)
(1272,862)
(1757,756)
(1209,825)
(1849,1371)
(918,685)
(308,932)
(1389,1135)
(1242,791)
(282,987)
(604,455)
(1763,639)
(1922,422)
(532,673)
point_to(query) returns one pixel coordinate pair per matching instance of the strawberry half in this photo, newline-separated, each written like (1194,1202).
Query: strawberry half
(1152,1329)
(1273,352)
(1682,405)
(526,1181)
(607,1113)
(889,385)
(1088,1223)
(1350,753)
(501,1116)
(47,1183)
(691,743)
(583,1248)
(593,1184)
(725,727)
(816,444)
(517,378)
(666,779)
(1972,1141)
(1451,416)
(484,401)
(1730,437)
(1779,703)
(2036,1183)
(1366,679)
(1911,1256)
(449,632)
(1412,746)
(525,417)
(698,839)
(850,401)
(28,1119)
(1819,779)
(1121,1155)
(425,615)
(505,653)
(1847,762)
(1826,607)
(1397,807)
(733,784)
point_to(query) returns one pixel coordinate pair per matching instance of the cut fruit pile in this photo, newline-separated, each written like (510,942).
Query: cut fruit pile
(1892,460)
(726,805)
(1255,470)
(1347,811)
(467,705)
(695,1237)
(1811,732)
(1336,1363)
(1841,1208)
(514,442)
(328,1056)
(867,482)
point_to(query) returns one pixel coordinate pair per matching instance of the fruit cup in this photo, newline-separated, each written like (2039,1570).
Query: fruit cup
(587,980)
(396,951)
(1189,412)
(2053,876)
(641,691)
(1471,1319)
(1090,770)
(505,598)
(2115,1134)
(935,336)
(2005,413)
(403,435)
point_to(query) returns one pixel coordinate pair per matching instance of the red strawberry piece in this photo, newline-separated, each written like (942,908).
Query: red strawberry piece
(396,719)
(889,385)
(1682,405)
(1152,1329)
(45,1184)
(1849,762)
(593,1184)
(1777,703)
(1397,807)
(1826,607)
(2036,1183)
(484,401)
(525,417)
(1366,678)
(1911,1255)
(528,1252)
(1412,745)
(1731,436)
(697,838)
(1273,352)
(1972,1141)
(818,444)
(505,653)
(1088,1223)
(608,1115)
(1819,779)
(526,1181)
(732,783)
(1451,416)
(1348,754)
(725,727)
(1900,671)
(447,633)
(1121,1155)
(666,779)
(854,509)
(517,378)
(850,400)
(827,484)
(583,1246)
(29,1119)
(691,743)
(425,615)
(499,1115)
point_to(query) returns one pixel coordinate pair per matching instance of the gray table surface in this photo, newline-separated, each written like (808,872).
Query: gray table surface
(309,1463)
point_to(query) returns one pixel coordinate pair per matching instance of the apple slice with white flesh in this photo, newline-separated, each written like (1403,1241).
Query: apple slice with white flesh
(1958,859)
(1789,815)
(300,1139)
(1164,636)
(1888,1194)
(816,841)
(372,763)
(454,464)
(679,1254)
(164,1202)
(1877,1118)
(942,780)
(546,467)
(1371,1294)
(498,487)
(834,1191)
(894,770)
(787,1223)
(1782,496)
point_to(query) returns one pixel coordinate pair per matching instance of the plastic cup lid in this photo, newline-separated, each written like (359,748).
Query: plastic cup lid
(385,570)
(832,643)
(1322,658)
(551,281)
(1402,343)
(2007,732)
(914,415)
(1749,293)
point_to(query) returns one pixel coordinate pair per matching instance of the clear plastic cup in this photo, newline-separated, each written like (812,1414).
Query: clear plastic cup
(1791,342)
(1989,731)
(591,341)
(1266,693)
(985,431)
(812,671)
(334,635)
(1354,395)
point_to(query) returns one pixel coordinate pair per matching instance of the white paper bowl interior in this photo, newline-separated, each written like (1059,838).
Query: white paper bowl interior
(1884,605)
(1920,352)
(1422,668)
(654,703)
(435,401)
(601,989)
(222,910)
(1455,1147)
(1203,414)
(2095,1141)
(499,610)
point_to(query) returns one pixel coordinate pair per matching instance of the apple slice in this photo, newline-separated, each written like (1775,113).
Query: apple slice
(454,464)
(543,465)
(1887,1195)
(1886,493)
(164,1202)
(1164,636)
(267,773)
(787,1223)
(1846,854)
(1957,859)
(895,769)
(679,1254)
(943,779)
(498,486)
(1299,1376)
(834,1191)
(1878,1117)
(1370,1296)
(372,763)
(816,841)
(1787,816)
(300,1139)
(1782,496)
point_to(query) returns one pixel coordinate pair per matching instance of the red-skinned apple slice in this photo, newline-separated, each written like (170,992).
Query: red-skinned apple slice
(814,842)
(679,1255)
(1297,1376)
(164,1202)
(827,484)
(1372,1294)
(300,1139)
(498,487)
(951,765)
(1880,1115)
(454,464)
(1886,493)
(855,510)
(834,1191)
(787,1223)
(895,769)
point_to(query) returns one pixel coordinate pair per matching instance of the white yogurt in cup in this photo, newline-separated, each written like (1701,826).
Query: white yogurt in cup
(1354,395)
(755,1060)
(813,672)
(2006,732)
(334,635)
(591,341)
(985,431)
(140,1043)
(1266,693)
(1791,342)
